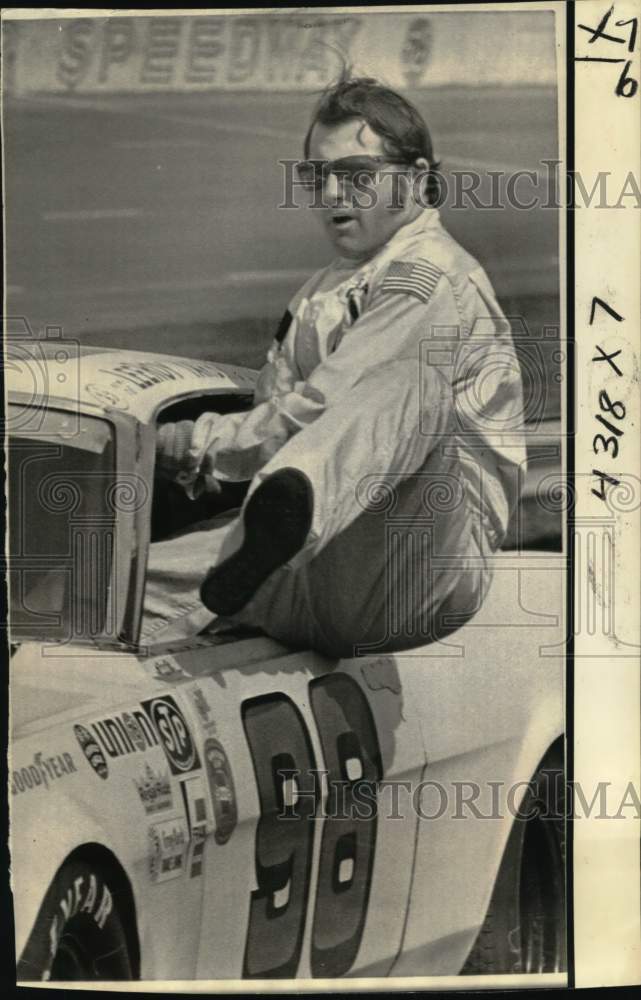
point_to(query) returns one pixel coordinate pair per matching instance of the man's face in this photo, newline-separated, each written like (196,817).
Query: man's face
(358,232)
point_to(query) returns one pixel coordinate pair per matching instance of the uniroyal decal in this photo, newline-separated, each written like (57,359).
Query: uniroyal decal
(174,734)
(41,772)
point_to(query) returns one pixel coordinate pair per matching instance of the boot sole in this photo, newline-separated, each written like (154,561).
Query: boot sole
(277,520)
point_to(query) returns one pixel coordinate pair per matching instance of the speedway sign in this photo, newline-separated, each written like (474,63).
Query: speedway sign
(268,51)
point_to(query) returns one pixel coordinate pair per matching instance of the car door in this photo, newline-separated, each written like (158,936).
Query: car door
(490,700)
(299,882)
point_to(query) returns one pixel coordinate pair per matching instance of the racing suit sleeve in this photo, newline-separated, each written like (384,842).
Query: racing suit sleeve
(236,446)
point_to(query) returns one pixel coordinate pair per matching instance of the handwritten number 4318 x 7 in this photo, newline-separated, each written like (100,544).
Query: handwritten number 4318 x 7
(612,410)
(626,86)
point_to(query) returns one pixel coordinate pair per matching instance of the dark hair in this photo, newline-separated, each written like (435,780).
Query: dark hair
(401,126)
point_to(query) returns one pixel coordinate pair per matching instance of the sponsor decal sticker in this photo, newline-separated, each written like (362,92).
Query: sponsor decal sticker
(41,772)
(154,789)
(172,729)
(91,750)
(202,707)
(197,850)
(221,788)
(168,668)
(136,734)
(193,790)
(117,735)
(145,374)
(168,842)
(116,385)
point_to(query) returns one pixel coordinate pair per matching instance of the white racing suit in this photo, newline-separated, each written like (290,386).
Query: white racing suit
(394,386)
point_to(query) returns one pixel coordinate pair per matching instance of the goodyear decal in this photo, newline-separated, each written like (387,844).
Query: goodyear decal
(41,772)
(173,731)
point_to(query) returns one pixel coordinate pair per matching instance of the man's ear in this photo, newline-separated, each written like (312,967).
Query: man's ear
(421,170)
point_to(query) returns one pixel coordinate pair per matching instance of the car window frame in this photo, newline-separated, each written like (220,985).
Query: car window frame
(148,431)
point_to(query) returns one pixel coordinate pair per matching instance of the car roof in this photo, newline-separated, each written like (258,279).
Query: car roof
(64,374)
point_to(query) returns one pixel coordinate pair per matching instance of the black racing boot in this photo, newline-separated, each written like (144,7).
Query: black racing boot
(277,519)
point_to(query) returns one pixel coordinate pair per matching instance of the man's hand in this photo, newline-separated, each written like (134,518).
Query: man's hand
(179,458)
(275,379)
(173,444)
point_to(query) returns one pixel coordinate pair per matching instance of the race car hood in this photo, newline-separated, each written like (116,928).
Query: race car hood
(43,703)
(51,684)
(45,689)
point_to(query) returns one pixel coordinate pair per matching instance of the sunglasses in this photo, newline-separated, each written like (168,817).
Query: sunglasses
(314,174)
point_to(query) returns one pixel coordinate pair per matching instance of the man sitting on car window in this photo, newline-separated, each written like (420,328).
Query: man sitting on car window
(386,430)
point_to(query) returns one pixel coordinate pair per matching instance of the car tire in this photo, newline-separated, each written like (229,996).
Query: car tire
(525,928)
(78,933)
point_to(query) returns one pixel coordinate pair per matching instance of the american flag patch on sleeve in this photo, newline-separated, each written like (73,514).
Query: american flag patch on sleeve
(414,277)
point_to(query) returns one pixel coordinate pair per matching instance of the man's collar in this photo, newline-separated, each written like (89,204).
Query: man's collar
(427,218)
(424,220)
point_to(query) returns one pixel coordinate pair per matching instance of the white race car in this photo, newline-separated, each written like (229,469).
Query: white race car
(225,808)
